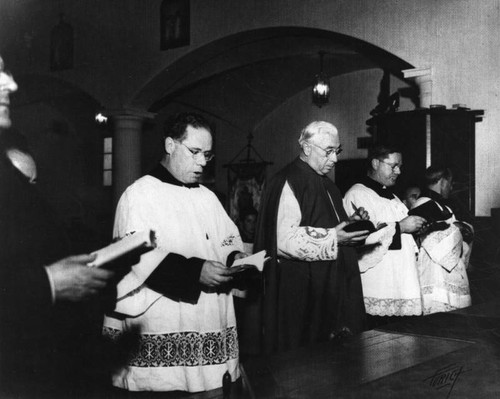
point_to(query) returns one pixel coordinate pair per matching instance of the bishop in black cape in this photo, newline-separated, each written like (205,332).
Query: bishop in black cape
(307,302)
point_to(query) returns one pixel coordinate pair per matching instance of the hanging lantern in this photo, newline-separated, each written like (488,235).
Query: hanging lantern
(321,88)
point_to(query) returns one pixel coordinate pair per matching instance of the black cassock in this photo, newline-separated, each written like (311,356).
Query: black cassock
(306,302)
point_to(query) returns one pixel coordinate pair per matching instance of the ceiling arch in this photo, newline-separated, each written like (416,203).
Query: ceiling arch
(243,77)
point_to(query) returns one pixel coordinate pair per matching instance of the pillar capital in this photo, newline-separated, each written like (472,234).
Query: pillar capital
(129,113)
(423,78)
(417,72)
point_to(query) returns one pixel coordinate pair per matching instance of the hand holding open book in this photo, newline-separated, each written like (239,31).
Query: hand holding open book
(255,261)
(125,246)
(375,233)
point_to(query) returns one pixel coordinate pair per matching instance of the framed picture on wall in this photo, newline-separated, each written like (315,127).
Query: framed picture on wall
(174,24)
(245,184)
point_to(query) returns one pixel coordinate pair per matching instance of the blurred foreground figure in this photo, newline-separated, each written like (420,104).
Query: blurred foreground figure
(43,336)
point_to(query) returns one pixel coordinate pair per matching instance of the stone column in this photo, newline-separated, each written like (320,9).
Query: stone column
(423,78)
(127,130)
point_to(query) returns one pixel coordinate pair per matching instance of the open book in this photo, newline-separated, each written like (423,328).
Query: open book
(430,210)
(139,239)
(360,225)
(253,261)
(434,214)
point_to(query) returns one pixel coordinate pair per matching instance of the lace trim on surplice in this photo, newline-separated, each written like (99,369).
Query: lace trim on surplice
(187,348)
(393,307)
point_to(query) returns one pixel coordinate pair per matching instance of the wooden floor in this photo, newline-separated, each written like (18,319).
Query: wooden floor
(446,355)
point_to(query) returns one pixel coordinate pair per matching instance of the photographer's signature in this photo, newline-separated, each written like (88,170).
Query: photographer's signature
(446,377)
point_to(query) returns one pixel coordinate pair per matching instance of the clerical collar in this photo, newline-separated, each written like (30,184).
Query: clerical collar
(161,173)
(377,187)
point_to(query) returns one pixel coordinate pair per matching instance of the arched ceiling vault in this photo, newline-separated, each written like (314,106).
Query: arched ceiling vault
(243,77)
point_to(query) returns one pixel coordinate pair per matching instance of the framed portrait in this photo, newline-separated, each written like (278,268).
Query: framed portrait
(174,24)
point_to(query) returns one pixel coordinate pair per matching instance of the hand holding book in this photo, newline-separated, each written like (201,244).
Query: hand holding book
(255,261)
(138,240)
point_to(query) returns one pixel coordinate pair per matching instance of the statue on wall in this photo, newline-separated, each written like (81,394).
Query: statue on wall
(386,102)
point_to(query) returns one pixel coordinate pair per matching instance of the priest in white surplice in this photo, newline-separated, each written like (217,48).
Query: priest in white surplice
(178,295)
(389,269)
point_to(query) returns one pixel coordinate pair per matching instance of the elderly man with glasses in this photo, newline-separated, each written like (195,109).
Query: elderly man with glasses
(177,298)
(312,287)
(389,268)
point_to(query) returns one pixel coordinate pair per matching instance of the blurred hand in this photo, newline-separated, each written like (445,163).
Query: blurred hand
(353,238)
(214,274)
(74,281)
(412,224)
(360,214)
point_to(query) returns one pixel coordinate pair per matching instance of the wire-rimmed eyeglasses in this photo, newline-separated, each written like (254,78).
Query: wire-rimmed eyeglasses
(208,155)
(393,166)
(329,152)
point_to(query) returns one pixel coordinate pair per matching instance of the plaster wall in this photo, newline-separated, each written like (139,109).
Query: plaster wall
(353,96)
(119,53)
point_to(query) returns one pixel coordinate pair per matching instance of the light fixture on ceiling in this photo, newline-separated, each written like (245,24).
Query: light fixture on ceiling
(321,88)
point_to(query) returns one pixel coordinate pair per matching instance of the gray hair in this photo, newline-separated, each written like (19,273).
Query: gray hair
(314,128)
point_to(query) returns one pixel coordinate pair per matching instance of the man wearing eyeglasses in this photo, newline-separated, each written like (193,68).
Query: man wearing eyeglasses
(312,285)
(388,269)
(178,296)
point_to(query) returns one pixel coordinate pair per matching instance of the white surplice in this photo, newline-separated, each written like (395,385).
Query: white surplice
(389,277)
(442,264)
(183,346)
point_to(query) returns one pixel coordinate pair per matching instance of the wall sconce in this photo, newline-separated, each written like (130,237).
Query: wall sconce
(321,88)
(101,118)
